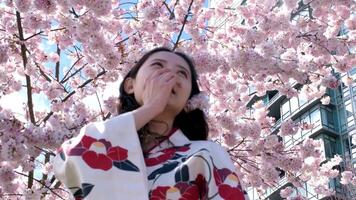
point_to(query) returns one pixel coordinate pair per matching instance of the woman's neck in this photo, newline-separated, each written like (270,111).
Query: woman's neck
(162,123)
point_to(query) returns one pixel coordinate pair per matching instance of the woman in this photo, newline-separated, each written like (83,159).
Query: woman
(156,148)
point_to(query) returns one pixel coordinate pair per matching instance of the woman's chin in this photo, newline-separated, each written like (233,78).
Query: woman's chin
(173,106)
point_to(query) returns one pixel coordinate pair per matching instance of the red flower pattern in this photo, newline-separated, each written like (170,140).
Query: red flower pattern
(159,193)
(167,154)
(231,193)
(188,191)
(95,160)
(226,191)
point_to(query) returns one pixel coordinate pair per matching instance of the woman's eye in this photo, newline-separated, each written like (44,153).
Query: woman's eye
(184,74)
(158,64)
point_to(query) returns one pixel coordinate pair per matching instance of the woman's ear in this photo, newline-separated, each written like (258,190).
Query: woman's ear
(129,85)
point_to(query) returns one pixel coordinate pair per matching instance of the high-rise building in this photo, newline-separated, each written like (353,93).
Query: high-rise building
(333,123)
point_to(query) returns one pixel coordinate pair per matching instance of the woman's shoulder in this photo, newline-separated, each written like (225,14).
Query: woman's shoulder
(117,122)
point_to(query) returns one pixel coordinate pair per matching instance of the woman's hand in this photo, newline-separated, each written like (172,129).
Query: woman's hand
(157,89)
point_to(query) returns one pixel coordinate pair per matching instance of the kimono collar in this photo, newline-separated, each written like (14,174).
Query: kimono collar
(178,138)
(175,138)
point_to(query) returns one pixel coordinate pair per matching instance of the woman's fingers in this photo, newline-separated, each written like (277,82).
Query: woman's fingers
(158,86)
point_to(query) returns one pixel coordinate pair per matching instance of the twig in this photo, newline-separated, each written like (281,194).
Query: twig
(46,151)
(43,73)
(72,93)
(80,69)
(33,35)
(64,78)
(74,13)
(132,3)
(107,116)
(39,181)
(302,7)
(184,22)
(118,43)
(280,79)
(57,29)
(77,49)
(242,141)
(101,109)
(171,13)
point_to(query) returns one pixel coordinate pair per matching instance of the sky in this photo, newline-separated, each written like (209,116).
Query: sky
(17,100)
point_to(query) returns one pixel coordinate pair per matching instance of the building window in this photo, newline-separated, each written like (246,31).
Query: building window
(251,89)
(302,100)
(285,110)
(314,116)
(330,147)
(342,117)
(288,140)
(353,73)
(348,108)
(294,104)
(330,118)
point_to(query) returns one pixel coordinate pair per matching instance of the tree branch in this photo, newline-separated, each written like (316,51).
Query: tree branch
(45,176)
(28,84)
(33,35)
(43,73)
(40,182)
(80,69)
(131,3)
(302,7)
(101,109)
(72,93)
(64,79)
(171,13)
(57,63)
(72,11)
(184,22)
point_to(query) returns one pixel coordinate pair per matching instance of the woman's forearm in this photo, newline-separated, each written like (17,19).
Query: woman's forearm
(143,115)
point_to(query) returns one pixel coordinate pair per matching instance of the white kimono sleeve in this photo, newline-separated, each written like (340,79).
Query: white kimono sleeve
(226,182)
(104,161)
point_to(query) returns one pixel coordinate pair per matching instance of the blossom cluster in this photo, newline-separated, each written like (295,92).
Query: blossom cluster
(66,51)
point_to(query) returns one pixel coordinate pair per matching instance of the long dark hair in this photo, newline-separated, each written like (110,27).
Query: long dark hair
(193,124)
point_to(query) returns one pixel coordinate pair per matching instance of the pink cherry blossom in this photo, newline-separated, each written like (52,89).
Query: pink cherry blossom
(23,5)
(3,53)
(286,192)
(288,127)
(346,177)
(47,6)
(241,54)
(330,81)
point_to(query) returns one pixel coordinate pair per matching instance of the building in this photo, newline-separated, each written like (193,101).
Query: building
(333,123)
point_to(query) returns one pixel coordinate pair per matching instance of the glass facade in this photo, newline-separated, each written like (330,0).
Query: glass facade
(334,124)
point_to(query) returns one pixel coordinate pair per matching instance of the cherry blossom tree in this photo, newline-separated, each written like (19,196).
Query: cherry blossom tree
(265,44)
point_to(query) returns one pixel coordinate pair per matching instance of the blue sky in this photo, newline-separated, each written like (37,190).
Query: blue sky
(16,101)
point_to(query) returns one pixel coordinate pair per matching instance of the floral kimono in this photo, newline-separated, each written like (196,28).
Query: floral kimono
(105,161)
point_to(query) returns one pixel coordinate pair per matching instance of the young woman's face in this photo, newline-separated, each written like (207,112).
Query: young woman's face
(176,64)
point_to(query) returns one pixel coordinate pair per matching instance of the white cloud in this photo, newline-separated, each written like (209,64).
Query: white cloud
(111,89)
(17,101)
